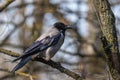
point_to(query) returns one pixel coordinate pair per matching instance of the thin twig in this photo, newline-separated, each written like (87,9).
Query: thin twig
(19,73)
(6,4)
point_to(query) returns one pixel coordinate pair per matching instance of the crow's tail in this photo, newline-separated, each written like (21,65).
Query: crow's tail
(21,63)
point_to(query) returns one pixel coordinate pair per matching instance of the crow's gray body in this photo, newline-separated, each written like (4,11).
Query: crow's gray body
(50,52)
(45,46)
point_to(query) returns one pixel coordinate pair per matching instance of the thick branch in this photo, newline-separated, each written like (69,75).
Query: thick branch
(50,63)
(5,4)
(110,42)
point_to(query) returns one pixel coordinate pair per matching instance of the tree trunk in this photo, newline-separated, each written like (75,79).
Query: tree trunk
(109,40)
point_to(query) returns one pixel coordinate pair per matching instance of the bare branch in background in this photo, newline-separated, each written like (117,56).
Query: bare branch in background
(6,4)
(17,73)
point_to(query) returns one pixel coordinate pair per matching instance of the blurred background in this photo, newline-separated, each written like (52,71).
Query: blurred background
(25,20)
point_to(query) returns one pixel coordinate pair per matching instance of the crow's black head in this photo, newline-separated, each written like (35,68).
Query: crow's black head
(61,26)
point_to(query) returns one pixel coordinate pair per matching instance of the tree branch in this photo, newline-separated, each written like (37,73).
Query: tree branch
(50,63)
(109,39)
(8,2)
(12,75)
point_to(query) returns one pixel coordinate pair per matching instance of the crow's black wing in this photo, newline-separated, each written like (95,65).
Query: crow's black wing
(39,46)
(36,46)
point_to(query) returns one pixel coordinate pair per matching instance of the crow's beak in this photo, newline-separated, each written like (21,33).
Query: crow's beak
(69,27)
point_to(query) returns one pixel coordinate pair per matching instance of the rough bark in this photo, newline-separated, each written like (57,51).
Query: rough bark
(109,40)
